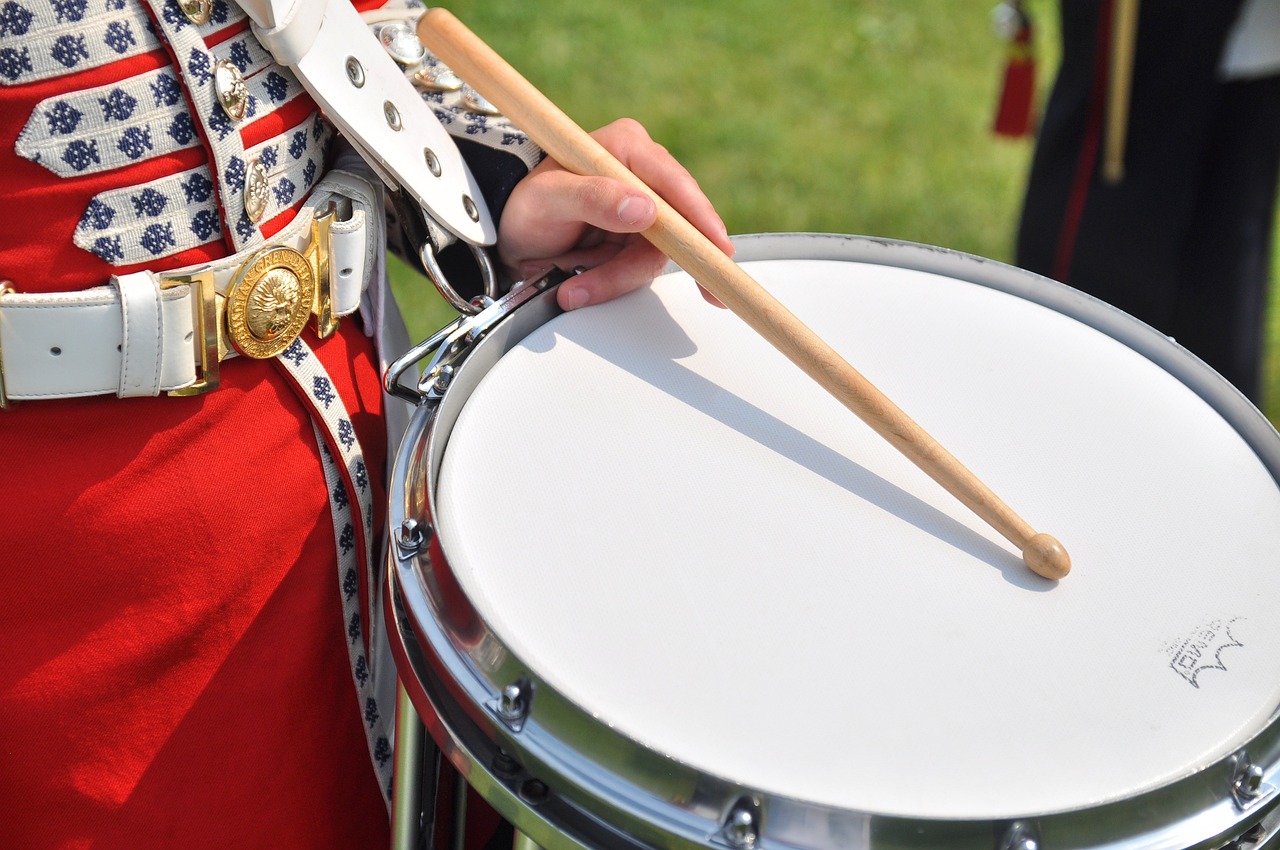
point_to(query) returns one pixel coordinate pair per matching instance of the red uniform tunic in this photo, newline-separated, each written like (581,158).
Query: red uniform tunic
(175,668)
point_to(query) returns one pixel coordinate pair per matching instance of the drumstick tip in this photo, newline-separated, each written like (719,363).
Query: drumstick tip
(1046,557)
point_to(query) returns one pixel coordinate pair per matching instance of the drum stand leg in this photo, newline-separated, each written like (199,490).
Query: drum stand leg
(406,788)
(459,813)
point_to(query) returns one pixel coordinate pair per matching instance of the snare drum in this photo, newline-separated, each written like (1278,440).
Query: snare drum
(672,595)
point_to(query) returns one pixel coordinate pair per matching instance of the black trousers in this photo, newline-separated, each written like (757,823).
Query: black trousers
(1183,241)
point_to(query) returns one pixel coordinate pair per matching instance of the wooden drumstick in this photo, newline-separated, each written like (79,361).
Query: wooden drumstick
(474,61)
(1124,33)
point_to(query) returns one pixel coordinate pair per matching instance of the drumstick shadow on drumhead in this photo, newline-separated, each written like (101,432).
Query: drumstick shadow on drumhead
(649,345)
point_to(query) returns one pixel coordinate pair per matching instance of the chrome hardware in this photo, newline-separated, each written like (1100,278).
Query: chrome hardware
(473,212)
(440,379)
(1254,837)
(433,162)
(742,823)
(441,282)
(424,237)
(1247,787)
(512,705)
(355,72)
(412,537)
(504,766)
(392,115)
(391,381)
(534,792)
(1021,836)
(451,343)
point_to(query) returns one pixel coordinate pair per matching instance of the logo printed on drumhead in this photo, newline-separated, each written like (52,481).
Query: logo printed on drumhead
(1202,650)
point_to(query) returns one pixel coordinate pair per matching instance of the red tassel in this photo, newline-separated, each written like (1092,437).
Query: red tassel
(1015,116)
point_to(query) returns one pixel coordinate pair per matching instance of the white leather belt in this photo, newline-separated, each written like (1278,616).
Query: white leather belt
(146,333)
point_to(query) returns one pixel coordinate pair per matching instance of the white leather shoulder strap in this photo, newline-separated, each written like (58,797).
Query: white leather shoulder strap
(366,95)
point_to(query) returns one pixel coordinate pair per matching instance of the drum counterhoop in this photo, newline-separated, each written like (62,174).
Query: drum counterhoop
(671,595)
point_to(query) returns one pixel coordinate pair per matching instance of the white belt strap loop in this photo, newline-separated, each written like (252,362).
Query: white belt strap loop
(347,256)
(287,28)
(142,334)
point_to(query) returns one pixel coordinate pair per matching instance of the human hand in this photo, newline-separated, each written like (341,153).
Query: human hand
(557,218)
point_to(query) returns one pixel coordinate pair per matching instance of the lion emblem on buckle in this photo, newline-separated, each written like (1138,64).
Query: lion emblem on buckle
(271,303)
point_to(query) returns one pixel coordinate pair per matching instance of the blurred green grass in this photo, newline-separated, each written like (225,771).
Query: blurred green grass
(848,116)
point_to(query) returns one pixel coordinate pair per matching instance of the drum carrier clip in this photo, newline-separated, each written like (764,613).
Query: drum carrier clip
(455,340)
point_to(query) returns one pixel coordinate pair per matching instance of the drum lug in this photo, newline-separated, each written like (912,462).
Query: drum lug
(1254,837)
(742,823)
(504,766)
(533,791)
(1247,787)
(1021,835)
(512,705)
(411,537)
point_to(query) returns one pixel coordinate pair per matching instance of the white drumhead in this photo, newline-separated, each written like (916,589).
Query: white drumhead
(679,531)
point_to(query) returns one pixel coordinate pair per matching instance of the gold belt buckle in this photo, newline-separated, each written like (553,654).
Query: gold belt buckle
(274,293)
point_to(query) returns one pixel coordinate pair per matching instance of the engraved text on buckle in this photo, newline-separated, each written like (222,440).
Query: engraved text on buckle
(274,293)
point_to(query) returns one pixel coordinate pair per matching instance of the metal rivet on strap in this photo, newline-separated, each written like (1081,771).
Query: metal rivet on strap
(401,42)
(228,85)
(196,11)
(433,162)
(257,191)
(473,212)
(392,115)
(355,72)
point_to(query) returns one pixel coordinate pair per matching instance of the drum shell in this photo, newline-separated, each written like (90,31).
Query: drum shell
(605,789)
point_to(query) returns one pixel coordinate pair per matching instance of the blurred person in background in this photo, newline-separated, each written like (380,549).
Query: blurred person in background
(1179,235)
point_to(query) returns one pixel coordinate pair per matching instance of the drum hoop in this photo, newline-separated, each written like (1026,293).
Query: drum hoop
(609,790)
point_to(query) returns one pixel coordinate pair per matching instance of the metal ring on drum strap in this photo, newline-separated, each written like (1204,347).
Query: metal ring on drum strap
(489,276)
(427,238)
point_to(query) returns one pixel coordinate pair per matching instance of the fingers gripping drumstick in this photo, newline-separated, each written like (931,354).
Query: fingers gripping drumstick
(473,60)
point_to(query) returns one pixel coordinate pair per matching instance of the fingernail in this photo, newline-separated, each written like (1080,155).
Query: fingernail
(634,209)
(573,297)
